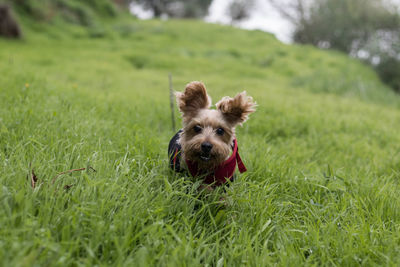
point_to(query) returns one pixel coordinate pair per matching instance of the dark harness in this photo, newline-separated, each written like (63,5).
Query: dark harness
(218,176)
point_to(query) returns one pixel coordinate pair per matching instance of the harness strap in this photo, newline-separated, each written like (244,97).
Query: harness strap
(240,163)
(175,156)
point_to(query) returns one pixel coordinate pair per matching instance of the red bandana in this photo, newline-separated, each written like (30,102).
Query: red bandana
(223,172)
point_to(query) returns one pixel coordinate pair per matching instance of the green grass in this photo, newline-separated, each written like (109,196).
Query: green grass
(322,151)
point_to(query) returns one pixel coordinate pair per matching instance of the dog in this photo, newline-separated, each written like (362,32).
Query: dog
(206,146)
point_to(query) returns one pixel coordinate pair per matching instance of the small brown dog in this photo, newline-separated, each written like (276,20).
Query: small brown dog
(206,145)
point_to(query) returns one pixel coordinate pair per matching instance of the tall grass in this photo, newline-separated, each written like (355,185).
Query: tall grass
(322,153)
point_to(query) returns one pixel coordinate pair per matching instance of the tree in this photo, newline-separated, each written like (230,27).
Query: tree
(8,25)
(240,9)
(177,8)
(352,26)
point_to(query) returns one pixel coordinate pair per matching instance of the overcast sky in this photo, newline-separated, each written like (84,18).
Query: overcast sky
(262,16)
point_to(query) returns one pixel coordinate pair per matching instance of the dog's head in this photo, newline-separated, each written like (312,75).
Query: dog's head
(208,134)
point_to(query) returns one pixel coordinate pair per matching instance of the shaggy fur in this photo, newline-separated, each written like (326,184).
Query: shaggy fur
(193,100)
(236,110)
(204,127)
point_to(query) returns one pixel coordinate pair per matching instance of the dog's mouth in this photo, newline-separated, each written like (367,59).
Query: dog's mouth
(205,156)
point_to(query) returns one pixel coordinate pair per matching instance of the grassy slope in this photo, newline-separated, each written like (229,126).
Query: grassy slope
(322,151)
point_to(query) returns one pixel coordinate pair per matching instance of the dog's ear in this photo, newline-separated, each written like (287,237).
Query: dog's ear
(236,110)
(193,99)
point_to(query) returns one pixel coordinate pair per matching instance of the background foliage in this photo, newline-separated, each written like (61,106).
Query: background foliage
(83,12)
(176,8)
(367,29)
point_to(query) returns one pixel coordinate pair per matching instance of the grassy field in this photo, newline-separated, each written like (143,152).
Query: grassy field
(322,151)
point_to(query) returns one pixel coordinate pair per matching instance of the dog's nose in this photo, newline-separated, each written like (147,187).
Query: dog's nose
(206,147)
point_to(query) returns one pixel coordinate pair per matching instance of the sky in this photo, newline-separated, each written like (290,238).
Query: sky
(262,17)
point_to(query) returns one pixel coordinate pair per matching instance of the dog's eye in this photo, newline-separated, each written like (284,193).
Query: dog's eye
(197,128)
(220,131)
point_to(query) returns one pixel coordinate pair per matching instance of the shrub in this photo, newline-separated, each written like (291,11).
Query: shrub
(366,29)
(8,25)
(389,72)
(81,12)
(75,12)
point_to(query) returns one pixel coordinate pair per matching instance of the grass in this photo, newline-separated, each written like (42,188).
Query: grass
(322,151)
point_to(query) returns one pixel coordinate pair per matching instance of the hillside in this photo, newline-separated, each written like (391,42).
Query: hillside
(322,150)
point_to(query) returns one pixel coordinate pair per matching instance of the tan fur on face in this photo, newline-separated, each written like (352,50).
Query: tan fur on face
(194,104)
(236,110)
(209,121)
